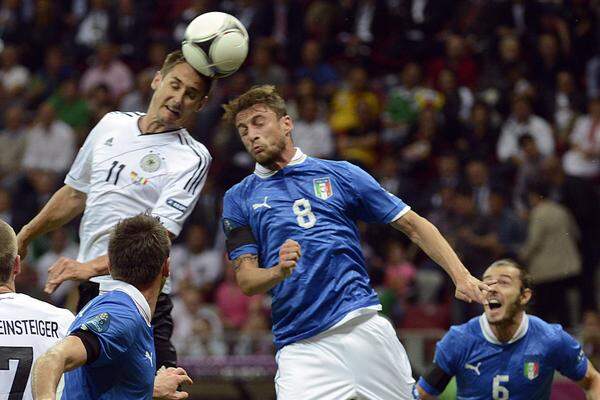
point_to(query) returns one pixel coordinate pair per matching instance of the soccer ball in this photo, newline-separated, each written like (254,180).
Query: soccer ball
(215,44)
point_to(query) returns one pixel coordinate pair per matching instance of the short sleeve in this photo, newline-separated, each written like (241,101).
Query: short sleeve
(79,176)
(113,326)
(448,352)
(372,203)
(570,358)
(235,223)
(180,195)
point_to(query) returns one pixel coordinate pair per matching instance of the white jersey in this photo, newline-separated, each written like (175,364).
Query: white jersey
(28,328)
(125,173)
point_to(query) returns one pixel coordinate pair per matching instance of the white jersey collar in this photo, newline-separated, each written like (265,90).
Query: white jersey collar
(265,172)
(488,334)
(138,298)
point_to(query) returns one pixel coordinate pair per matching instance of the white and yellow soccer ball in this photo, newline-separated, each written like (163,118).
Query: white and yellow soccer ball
(215,44)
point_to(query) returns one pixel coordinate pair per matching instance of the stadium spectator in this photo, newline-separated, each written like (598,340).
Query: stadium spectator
(520,122)
(194,261)
(13,142)
(552,256)
(232,304)
(108,70)
(61,245)
(478,136)
(5,206)
(46,80)
(71,107)
(50,143)
(583,158)
(13,75)
(264,70)
(311,131)
(480,182)
(316,69)
(139,98)
(457,59)
(94,26)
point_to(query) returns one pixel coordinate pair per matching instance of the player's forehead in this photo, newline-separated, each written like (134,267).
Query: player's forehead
(502,271)
(246,115)
(185,75)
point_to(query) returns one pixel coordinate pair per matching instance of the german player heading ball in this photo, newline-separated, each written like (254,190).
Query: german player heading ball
(215,44)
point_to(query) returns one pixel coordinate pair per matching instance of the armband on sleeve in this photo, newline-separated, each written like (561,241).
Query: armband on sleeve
(435,378)
(239,237)
(91,344)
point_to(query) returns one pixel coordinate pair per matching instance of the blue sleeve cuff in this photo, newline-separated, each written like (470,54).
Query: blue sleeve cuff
(581,370)
(427,387)
(245,249)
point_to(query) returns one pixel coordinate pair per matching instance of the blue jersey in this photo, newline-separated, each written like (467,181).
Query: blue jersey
(316,203)
(125,367)
(521,369)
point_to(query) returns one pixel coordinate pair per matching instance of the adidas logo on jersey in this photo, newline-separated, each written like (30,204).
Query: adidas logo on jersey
(108,142)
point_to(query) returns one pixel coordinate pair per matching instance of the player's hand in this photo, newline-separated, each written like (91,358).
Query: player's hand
(289,254)
(469,289)
(66,269)
(167,381)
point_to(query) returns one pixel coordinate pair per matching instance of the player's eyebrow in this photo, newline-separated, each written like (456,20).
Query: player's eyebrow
(189,87)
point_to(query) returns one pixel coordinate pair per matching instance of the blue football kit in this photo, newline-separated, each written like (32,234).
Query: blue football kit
(124,367)
(316,203)
(521,369)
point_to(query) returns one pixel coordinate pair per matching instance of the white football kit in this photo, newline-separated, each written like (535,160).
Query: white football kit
(28,328)
(125,173)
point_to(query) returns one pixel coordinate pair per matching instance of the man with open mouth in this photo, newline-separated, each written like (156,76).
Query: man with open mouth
(506,353)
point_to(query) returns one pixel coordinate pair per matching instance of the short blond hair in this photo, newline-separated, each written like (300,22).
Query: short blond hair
(8,251)
(264,94)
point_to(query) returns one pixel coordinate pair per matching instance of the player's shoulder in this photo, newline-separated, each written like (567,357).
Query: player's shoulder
(27,303)
(116,116)
(242,187)
(114,307)
(464,333)
(545,332)
(189,151)
(331,165)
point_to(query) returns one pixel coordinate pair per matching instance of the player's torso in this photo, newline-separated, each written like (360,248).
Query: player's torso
(128,174)
(517,371)
(28,328)
(130,376)
(306,203)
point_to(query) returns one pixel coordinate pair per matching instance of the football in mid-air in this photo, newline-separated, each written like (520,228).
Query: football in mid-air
(215,44)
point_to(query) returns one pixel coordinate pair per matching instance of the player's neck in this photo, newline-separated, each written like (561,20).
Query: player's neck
(285,157)
(7,288)
(151,294)
(148,124)
(504,332)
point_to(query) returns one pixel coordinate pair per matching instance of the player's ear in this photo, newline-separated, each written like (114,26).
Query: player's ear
(526,295)
(166,267)
(286,124)
(17,265)
(156,80)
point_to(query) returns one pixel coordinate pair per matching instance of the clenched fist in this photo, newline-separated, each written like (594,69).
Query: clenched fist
(289,254)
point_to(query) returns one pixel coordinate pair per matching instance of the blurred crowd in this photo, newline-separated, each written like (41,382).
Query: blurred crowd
(484,116)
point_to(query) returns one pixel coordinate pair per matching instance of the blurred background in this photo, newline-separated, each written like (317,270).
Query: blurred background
(468,110)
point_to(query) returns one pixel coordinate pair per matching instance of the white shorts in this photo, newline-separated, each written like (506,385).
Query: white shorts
(361,359)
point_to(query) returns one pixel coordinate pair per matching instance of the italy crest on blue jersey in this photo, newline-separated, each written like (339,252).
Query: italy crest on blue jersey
(316,203)
(521,369)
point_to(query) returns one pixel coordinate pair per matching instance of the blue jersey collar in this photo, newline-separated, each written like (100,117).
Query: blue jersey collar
(488,334)
(265,172)
(138,298)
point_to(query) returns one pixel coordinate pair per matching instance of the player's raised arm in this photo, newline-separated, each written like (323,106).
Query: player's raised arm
(430,240)
(63,206)
(66,355)
(254,280)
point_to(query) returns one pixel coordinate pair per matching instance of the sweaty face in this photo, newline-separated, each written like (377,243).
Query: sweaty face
(177,96)
(264,134)
(506,300)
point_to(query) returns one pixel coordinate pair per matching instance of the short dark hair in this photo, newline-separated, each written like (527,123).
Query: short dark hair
(137,249)
(265,94)
(523,273)
(8,251)
(176,57)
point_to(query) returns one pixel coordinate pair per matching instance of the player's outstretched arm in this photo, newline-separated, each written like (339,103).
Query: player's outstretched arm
(430,240)
(254,280)
(64,356)
(591,383)
(167,381)
(63,206)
